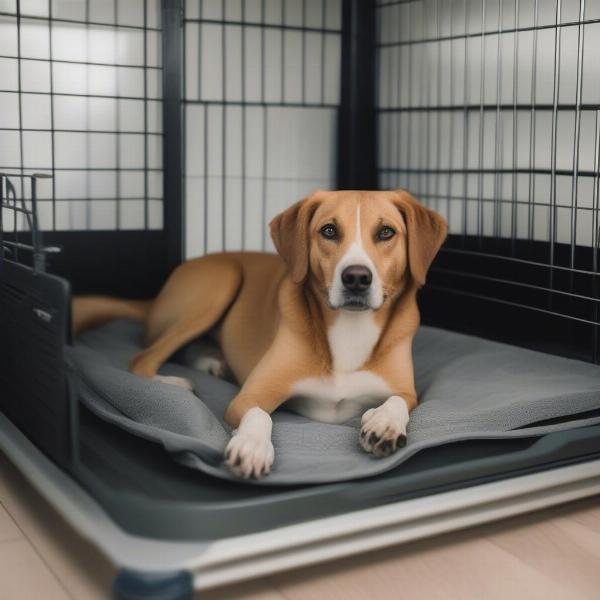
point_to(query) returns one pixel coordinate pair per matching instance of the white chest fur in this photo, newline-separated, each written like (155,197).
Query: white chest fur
(339,396)
(351,340)
(348,391)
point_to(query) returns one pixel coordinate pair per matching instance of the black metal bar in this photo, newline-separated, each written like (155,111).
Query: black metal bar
(357,130)
(264,112)
(488,32)
(261,104)
(52,129)
(64,61)
(172,131)
(490,107)
(145,124)
(118,124)
(86,21)
(243,132)
(224,131)
(262,25)
(74,95)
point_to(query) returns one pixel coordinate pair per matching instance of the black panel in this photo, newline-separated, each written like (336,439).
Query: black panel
(357,140)
(34,310)
(172,127)
(128,264)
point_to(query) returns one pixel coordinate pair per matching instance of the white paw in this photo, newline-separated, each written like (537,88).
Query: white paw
(249,455)
(250,452)
(211,365)
(383,429)
(172,380)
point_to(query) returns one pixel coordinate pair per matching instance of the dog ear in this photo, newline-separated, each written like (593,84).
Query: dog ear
(289,231)
(426,231)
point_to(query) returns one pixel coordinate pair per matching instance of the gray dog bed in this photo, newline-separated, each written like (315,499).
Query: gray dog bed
(468,388)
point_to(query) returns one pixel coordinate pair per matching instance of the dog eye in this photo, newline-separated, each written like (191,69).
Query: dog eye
(385,233)
(329,231)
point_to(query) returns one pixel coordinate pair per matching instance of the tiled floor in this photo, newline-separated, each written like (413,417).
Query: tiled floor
(552,554)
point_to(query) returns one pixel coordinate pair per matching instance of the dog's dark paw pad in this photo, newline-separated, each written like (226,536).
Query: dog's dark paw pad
(386,447)
(238,461)
(373,439)
(401,441)
(363,434)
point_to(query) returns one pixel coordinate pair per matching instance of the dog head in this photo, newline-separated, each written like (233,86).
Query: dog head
(358,248)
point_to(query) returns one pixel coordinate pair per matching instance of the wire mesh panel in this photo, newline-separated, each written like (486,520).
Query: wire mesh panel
(260,104)
(489,113)
(80,98)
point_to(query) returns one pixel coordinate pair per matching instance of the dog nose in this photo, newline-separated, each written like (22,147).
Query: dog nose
(357,278)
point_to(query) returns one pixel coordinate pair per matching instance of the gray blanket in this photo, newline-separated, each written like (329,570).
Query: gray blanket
(468,388)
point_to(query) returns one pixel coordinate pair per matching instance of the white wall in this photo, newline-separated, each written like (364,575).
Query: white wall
(100,97)
(260,114)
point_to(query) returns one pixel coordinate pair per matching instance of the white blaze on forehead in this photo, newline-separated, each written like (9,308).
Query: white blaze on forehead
(356,255)
(358,235)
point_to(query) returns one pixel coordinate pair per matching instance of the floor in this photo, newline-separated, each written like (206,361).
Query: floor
(550,554)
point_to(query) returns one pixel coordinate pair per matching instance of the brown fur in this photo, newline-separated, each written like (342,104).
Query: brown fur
(269,313)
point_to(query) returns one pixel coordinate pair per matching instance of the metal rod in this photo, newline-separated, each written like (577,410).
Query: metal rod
(263,203)
(452,124)
(438,145)
(263,25)
(515,131)
(205,159)
(88,140)
(575,177)
(481,125)
(224,132)
(243,131)
(484,33)
(146,203)
(513,259)
(409,153)
(532,141)
(466,92)
(553,142)
(172,133)
(118,123)
(498,147)
(596,197)
(323,38)
(39,258)
(511,282)
(52,130)
(553,313)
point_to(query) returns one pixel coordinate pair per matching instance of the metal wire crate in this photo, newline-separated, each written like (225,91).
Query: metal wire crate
(488,111)
(179,127)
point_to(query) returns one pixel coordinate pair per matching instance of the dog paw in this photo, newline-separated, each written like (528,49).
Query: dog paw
(172,380)
(249,456)
(383,429)
(211,365)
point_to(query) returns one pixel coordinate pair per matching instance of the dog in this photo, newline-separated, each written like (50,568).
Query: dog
(325,326)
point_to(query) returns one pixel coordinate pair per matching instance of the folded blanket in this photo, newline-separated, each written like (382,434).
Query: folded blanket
(468,388)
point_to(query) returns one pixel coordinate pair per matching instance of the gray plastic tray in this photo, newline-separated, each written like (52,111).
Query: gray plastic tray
(148,494)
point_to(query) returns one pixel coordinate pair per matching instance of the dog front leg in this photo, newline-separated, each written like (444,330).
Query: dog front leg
(383,429)
(250,451)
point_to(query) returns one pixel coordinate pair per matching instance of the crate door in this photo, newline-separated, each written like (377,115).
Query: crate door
(81,100)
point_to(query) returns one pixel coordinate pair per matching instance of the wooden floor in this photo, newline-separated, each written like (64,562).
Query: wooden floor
(551,554)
